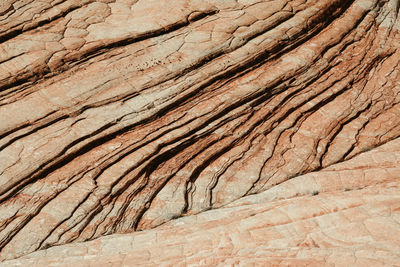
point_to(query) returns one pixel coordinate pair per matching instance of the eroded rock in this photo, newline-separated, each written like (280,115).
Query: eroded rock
(119,116)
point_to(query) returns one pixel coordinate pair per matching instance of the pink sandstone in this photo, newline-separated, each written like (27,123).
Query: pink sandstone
(199,132)
(354,220)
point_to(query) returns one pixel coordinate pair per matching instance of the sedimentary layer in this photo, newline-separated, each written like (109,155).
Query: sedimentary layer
(122,115)
(345,215)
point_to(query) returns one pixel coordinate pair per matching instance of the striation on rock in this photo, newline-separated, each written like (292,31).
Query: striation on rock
(123,115)
(354,220)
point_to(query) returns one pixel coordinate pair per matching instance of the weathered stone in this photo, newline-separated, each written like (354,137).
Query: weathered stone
(123,115)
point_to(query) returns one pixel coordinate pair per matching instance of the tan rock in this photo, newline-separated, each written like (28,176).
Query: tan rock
(123,115)
(338,226)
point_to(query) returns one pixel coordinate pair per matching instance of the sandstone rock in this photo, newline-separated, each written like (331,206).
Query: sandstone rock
(353,221)
(123,115)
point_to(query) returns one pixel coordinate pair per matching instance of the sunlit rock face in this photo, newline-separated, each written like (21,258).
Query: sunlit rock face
(202,133)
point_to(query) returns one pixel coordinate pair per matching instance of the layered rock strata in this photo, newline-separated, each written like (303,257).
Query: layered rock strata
(121,115)
(345,215)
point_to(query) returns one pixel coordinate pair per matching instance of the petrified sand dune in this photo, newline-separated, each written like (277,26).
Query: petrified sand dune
(123,115)
(354,220)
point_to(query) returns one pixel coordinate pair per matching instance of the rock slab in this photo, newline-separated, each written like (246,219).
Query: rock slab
(271,127)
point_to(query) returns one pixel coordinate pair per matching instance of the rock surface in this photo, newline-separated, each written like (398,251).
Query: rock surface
(123,115)
(352,221)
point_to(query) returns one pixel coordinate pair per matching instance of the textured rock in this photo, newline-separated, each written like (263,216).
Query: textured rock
(353,221)
(119,116)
